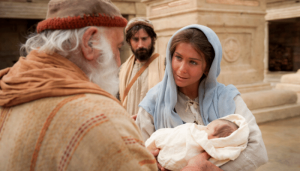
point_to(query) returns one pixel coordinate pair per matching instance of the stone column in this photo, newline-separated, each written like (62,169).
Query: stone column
(266,44)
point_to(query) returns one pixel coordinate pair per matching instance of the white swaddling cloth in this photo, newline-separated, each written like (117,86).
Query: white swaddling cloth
(178,145)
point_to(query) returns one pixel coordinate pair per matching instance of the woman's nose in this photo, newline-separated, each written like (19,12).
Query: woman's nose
(183,68)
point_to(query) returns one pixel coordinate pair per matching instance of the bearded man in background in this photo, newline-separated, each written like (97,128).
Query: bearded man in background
(144,68)
(58,109)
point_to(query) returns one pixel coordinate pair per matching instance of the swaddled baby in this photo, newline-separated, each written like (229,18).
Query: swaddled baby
(223,139)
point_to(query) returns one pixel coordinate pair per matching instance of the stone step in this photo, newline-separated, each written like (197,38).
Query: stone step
(246,88)
(291,78)
(287,86)
(292,87)
(274,77)
(276,113)
(269,98)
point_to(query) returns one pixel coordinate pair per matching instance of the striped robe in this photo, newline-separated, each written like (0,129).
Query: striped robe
(76,132)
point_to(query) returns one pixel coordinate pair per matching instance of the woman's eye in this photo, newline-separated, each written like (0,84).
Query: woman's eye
(193,62)
(178,57)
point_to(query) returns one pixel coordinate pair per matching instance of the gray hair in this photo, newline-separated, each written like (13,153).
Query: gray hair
(62,42)
(67,42)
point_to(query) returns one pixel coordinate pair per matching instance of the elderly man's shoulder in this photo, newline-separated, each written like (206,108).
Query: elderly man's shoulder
(74,112)
(80,111)
(77,131)
(104,126)
(88,105)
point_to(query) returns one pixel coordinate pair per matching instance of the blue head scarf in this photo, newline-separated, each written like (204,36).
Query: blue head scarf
(215,99)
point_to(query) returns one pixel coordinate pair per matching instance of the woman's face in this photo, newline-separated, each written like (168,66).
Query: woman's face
(188,66)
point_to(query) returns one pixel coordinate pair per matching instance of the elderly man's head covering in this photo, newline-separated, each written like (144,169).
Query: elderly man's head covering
(72,14)
(138,21)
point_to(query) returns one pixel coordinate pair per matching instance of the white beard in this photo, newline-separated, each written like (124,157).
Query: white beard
(106,72)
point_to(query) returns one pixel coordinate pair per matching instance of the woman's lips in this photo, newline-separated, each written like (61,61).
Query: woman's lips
(182,78)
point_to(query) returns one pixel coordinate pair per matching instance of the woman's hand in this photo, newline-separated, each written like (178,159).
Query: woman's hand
(201,163)
(155,153)
(199,159)
(134,117)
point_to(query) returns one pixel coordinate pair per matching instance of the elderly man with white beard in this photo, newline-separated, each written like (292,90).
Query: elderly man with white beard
(58,109)
(57,105)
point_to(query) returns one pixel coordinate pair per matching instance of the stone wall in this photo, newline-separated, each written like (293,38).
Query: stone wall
(239,24)
(282,9)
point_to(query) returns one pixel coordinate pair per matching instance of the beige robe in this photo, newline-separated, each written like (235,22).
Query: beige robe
(138,90)
(148,79)
(78,132)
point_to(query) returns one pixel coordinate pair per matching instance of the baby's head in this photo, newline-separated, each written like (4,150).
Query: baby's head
(220,128)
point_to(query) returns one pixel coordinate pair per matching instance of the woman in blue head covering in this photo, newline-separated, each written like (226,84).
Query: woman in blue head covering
(190,92)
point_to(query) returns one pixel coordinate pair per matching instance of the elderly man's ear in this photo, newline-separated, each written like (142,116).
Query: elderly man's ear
(88,51)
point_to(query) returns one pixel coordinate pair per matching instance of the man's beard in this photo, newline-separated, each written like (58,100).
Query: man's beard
(143,54)
(105,73)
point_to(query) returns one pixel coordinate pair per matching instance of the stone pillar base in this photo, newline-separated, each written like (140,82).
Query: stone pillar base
(276,113)
(270,105)
(246,88)
(290,82)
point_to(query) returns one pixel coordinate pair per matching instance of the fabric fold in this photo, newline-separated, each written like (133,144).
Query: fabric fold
(40,75)
(178,145)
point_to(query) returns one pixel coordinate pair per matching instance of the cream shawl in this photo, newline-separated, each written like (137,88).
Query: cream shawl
(156,73)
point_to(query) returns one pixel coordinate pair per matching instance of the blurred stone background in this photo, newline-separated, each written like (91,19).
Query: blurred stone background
(261,53)
(18,18)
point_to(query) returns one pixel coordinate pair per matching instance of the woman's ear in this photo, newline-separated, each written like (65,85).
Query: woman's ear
(86,44)
(206,71)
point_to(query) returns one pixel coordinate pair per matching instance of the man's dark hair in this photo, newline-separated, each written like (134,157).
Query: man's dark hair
(131,32)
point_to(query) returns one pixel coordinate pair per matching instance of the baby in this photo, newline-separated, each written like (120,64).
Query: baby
(220,128)
(223,139)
